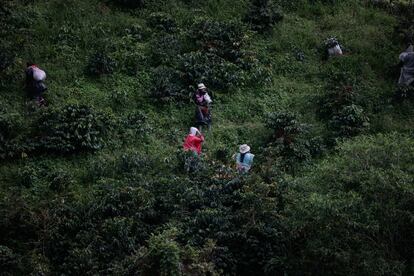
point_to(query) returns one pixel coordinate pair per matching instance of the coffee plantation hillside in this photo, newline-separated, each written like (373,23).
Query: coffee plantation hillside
(96,182)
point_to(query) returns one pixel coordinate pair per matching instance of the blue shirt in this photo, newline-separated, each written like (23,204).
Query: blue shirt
(247,161)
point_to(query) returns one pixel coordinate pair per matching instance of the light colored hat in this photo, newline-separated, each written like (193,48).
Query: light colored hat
(244,148)
(193,131)
(201,86)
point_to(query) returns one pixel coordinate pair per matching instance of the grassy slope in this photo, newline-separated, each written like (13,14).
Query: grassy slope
(366,32)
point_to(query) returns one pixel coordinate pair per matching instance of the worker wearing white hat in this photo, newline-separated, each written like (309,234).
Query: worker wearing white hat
(244,159)
(203,101)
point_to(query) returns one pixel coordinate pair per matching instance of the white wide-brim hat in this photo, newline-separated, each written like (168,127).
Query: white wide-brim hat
(201,86)
(244,148)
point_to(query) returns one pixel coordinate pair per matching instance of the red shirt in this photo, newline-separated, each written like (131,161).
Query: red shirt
(193,143)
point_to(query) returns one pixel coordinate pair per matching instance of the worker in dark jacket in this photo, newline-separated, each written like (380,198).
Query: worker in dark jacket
(407,70)
(203,109)
(35,85)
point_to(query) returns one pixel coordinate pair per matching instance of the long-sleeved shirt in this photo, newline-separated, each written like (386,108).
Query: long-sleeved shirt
(407,71)
(193,143)
(247,162)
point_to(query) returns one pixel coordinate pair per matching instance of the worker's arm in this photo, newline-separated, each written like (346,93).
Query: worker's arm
(201,137)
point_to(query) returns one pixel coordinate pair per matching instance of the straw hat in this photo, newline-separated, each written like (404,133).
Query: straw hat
(244,148)
(201,86)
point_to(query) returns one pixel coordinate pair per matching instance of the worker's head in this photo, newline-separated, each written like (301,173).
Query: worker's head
(201,87)
(29,63)
(244,149)
(193,131)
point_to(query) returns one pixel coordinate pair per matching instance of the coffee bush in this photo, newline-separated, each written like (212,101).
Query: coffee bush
(350,121)
(137,32)
(70,129)
(226,39)
(189,162)
(167,85)
(165,49)
(130,3)
(135,123)
(285,125)
(6,59)
(59,180)
(162,22)
(289,147)
(8,260)
(100,63)
(335,99)
(263,15)
(10,142)
(212,69)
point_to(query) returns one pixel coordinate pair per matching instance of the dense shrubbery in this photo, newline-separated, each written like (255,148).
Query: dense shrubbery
(162,22)
(349,121)
(10,142)
(136,123)
(165,49)
(224,39)
(263,14)
(288,146)
(167,85)
(218,56)
(100,63)
(130,3)
(189,162)
(404,11)
(341,104)
(285,126)
(362,198)
(6,59)
(137,208)
(70,129)
(217,72)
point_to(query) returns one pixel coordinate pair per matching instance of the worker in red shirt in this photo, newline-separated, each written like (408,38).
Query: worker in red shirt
(193,141)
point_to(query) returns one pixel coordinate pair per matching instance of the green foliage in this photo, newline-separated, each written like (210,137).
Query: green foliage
(137,32)
(71,129)
(341,104)
(224,39)
(212,70)
(100,63)
(335,99)
(349,121)
(165,49)
(59,180)
(137,208)
(288,145)
(190,162)
(10,140)
(167,85)
(135,162)
(355,207)
(130,3)
(263,15)
(164,254)
(162,22)
(404,11)
(404,92)
(284,125)
(135,124)
(6,59)
(7,259)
